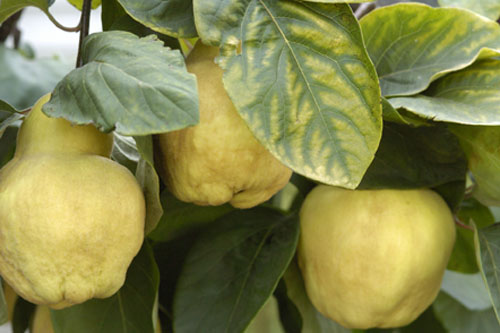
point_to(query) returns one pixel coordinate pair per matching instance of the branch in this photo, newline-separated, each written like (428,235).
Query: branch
(84,24)
(364,9)
(9,27)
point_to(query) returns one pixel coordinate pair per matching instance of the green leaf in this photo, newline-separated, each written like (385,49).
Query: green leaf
(389,113)
(311,99)
(133,85)
(8,116)
(4,311)
(10,7)
(149,181)
(411,45)
(267,319)
(312,320)
(181,217)
(8,145)
(23,80)
(468,289)
(415,157)
(288,313)
(426,322)
(338,1)
(456,318)
(170,17)
(125,152)
(463,257)
(488,8)
(233,269)
(381,3)
(21,317)
(115,18)
(469,96)
(6,110)
(481,144)
(170,257)
(453,193)
(401,116)
(487,244)
(79,3)
(130,310)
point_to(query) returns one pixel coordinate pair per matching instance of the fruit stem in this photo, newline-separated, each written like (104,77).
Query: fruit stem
(84,29)
(60,26)
(461,224)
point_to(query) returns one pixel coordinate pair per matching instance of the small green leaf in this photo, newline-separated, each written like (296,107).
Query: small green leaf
(463,257)
(149,181)
(8,116)
(311,99)
(469,96)
(267,319)
(481,144)
(488,8)
(312,320)
(288,312)
(10,7)
(6,110)
(487,244)
(21,317)
(114,17)
(8,145)
(338,1)
(411,44)
(79,3)
(129,310)
(170,17)
(182,217)
(23,80)
(170,257)
(131,84)
(401,116)
(125,151)
(468,289)
(4,311)
(233,269)
(456,318)
(415,157)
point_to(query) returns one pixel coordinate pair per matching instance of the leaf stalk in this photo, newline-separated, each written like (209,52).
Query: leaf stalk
(84,29)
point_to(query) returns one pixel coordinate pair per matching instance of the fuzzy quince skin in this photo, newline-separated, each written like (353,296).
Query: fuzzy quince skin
(374,258)
(218,160)
(71,219)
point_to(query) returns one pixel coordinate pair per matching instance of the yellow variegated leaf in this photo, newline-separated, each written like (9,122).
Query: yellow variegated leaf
(488,8)
(303,82)
(412,44)
(470,96)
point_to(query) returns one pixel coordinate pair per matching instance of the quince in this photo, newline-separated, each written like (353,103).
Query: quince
(374,258)
(218,160)
(71,219)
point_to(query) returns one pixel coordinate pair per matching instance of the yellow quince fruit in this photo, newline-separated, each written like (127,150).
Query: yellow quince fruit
(219,160)
(71,219)
(374,258)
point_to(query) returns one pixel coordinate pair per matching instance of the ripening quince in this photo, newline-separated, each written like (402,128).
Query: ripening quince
(71,219)
(374,258)
(218,160)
